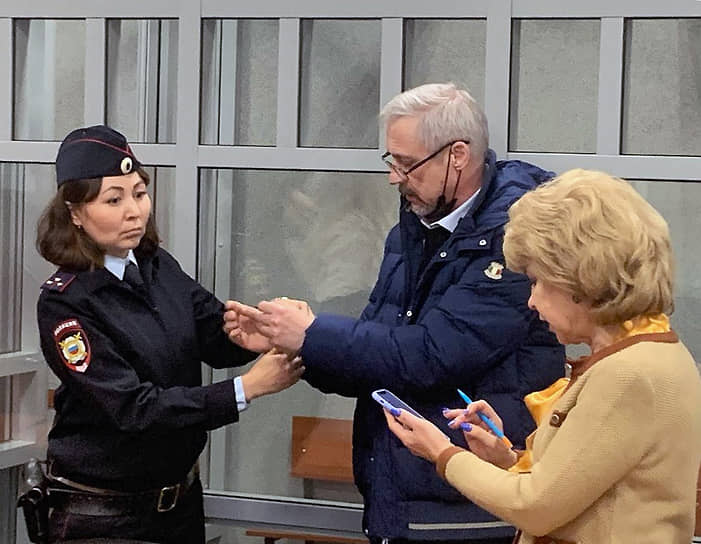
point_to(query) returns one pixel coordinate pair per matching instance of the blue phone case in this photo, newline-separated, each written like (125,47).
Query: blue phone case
(388,400)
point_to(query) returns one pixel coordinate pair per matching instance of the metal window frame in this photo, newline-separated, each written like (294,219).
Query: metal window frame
(188,156)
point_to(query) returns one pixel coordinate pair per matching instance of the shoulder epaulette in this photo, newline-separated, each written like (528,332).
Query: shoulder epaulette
(58,281)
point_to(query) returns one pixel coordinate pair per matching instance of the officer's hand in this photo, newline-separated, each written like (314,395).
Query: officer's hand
(242,329)
(272,372)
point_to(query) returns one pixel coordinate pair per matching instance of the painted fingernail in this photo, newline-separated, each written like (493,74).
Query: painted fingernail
(466,427)
(444,410)
(452,422)
(395,411)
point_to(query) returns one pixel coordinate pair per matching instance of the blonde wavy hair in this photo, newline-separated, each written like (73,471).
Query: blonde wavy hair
(594,236)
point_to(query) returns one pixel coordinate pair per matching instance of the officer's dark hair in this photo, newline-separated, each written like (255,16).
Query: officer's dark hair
(60,242)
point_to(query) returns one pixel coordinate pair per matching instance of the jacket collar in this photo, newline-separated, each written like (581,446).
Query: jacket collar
(414,226)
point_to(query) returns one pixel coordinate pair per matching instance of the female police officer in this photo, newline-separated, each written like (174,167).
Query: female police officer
(125,329)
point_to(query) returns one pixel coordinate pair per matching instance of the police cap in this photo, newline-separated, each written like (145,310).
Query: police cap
(94,152)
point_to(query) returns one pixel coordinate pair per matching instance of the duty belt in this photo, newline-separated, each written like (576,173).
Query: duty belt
(77,498)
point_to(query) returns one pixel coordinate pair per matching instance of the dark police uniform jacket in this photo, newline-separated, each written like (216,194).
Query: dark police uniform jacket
(131,412)
(462,322)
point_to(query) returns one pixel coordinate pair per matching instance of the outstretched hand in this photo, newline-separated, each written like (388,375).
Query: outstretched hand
(242,328)
(421,436)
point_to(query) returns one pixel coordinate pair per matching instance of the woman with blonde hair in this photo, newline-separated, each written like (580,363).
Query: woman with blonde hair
(618,444)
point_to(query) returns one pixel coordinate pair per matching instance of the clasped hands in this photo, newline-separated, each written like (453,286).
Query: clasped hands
(280,323)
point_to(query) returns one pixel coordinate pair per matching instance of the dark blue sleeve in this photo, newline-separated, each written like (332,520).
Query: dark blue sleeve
(473,327)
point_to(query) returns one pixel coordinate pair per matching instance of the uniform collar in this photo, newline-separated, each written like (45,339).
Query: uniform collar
(117,265)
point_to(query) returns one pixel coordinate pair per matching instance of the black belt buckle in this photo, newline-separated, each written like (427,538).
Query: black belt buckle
(168,498)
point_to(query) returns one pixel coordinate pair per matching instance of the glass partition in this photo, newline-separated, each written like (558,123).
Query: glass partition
(162,201)
(679,202)
(49,78)
(662,87)
(317,236)
(554,85)
(442,50)
(24,191)
(339,83)
(239,78)
(11,242)
(142,75)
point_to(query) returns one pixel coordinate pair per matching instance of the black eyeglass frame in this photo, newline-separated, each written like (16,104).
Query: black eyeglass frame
(404,174)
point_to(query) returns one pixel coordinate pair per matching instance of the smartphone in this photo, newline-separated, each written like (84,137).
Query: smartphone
(388,400)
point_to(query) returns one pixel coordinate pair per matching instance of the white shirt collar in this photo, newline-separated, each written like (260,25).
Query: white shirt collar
(450,221)
(116,265)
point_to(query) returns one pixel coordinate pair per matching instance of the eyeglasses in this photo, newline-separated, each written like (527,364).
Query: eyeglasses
(404,173)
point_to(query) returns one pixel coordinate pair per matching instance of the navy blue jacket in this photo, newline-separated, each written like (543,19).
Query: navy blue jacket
(463,323)
(131,411)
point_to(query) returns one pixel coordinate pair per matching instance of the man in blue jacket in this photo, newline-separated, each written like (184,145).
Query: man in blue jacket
(444,314)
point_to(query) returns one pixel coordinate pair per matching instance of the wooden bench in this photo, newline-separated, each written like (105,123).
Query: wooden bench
(320,449)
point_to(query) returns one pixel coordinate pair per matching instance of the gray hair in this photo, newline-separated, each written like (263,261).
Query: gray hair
(446,114)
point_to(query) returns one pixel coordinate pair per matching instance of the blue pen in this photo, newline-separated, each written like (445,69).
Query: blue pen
(496,430)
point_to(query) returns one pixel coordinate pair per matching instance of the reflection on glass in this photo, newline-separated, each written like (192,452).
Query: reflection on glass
(317,236)
(442,50)
(239,81)
(162,200)
(678,203)
(5,409)
(49,78)
(25,190)
(325,242)
(662,87)
(11,240)
(142,62)
(9,480)
(340,83)
(554,85)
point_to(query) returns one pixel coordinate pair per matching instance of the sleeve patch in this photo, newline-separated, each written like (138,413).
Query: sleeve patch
(59,281)
(72,345)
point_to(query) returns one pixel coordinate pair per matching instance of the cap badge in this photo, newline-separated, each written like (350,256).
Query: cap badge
(73,345)
(126,165)
(494,270)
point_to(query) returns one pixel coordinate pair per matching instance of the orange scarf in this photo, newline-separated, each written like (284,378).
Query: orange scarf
(540,403)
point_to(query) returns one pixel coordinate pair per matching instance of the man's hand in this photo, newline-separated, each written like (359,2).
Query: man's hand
(421,436)
(284,321)
(242,329)
(271,373)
